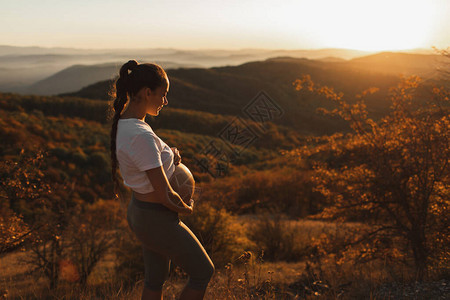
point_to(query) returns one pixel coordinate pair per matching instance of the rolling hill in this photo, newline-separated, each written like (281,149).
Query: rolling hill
(79,76)
(393,63)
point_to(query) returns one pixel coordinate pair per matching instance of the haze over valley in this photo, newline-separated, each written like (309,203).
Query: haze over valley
(49,71)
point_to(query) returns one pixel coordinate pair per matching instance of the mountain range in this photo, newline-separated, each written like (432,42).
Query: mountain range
(77,76)
(229,90)
(23,69)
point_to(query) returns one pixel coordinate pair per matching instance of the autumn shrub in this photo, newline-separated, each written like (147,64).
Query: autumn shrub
(98,160)
(393,174)
(86,193)
(91,233)
(11,136)
(60,152)
(219,232)
(13,230)
(277,237)
(284,189)
(129,264)
(79,158)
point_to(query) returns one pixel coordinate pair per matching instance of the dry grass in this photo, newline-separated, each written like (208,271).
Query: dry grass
(238,281)
(249,277)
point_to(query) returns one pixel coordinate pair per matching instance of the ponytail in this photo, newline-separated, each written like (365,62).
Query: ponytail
(122,91)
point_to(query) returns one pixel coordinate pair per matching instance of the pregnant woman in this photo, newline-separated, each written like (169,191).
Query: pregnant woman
(146,163)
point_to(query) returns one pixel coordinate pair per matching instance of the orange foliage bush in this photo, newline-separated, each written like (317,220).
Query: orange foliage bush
(286,190)
(394,174)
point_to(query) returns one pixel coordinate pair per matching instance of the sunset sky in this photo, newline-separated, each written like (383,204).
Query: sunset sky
(372,25)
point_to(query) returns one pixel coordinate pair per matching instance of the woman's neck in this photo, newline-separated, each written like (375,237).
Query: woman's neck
(133,112)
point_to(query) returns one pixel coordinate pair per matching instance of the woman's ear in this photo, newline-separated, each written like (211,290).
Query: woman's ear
(148,91)
(142,94)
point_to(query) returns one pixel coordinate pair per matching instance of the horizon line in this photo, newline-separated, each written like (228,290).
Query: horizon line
(432,48)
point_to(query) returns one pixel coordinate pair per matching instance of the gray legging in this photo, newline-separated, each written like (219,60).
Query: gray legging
(164,237)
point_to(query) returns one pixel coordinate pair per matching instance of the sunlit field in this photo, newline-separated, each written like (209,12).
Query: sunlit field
(247,276)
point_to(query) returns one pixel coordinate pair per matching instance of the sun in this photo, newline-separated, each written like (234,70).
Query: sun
(373,25)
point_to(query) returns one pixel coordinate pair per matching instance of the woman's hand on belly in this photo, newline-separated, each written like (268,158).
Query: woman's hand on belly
(176,156)
(163,192)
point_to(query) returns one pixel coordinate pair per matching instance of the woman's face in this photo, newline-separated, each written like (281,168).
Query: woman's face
(157,98)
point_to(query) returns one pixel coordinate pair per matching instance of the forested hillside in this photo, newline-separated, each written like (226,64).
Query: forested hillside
(75,132)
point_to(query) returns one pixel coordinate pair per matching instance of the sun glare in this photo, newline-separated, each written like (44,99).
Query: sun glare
(375,25)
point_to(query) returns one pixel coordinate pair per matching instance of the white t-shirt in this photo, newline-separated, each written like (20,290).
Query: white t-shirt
(138,149)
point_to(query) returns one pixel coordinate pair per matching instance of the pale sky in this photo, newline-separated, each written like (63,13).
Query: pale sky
(372,25)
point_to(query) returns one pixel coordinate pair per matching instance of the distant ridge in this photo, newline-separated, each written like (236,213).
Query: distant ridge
(22,67)
(331,59)
(76,76)
(79,76)
(18,71)
(400,63)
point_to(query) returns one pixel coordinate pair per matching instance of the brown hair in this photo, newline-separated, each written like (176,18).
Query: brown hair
(126,86)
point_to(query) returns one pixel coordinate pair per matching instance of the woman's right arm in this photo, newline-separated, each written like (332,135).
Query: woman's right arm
(164,192)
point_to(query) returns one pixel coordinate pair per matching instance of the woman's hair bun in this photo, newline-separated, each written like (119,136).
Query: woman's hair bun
(132,64)
(128,66)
